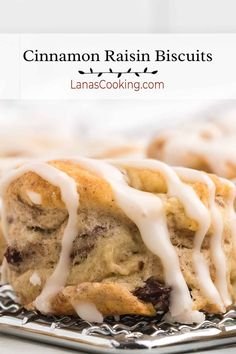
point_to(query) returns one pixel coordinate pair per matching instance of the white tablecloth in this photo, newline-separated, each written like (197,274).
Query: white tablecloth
(11,345)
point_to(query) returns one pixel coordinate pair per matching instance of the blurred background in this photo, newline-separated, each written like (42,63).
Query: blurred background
(103,128)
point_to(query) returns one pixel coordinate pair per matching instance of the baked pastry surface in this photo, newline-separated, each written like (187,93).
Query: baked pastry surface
(125,237)
(2,246)
(206,146)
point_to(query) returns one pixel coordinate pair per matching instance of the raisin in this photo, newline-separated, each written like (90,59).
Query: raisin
(85,243)
(99,229)
(156,293)
(10,219)
(140,265)
(13,256)
(82,252)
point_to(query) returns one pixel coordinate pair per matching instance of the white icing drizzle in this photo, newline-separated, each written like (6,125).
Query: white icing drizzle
(147,212)
(4,272)
(231,210)
(34,197)
(186,317)
(70,197)
(35,279)
(205,141)
(217,253)
(88,312)
(197,211)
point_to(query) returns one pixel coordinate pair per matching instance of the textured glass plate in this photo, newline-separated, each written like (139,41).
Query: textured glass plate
(115,335)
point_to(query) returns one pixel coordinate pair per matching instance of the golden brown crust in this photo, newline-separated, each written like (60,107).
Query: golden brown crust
(93,190)
(155,148)
(197,147)
(109,298)
(2,245)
